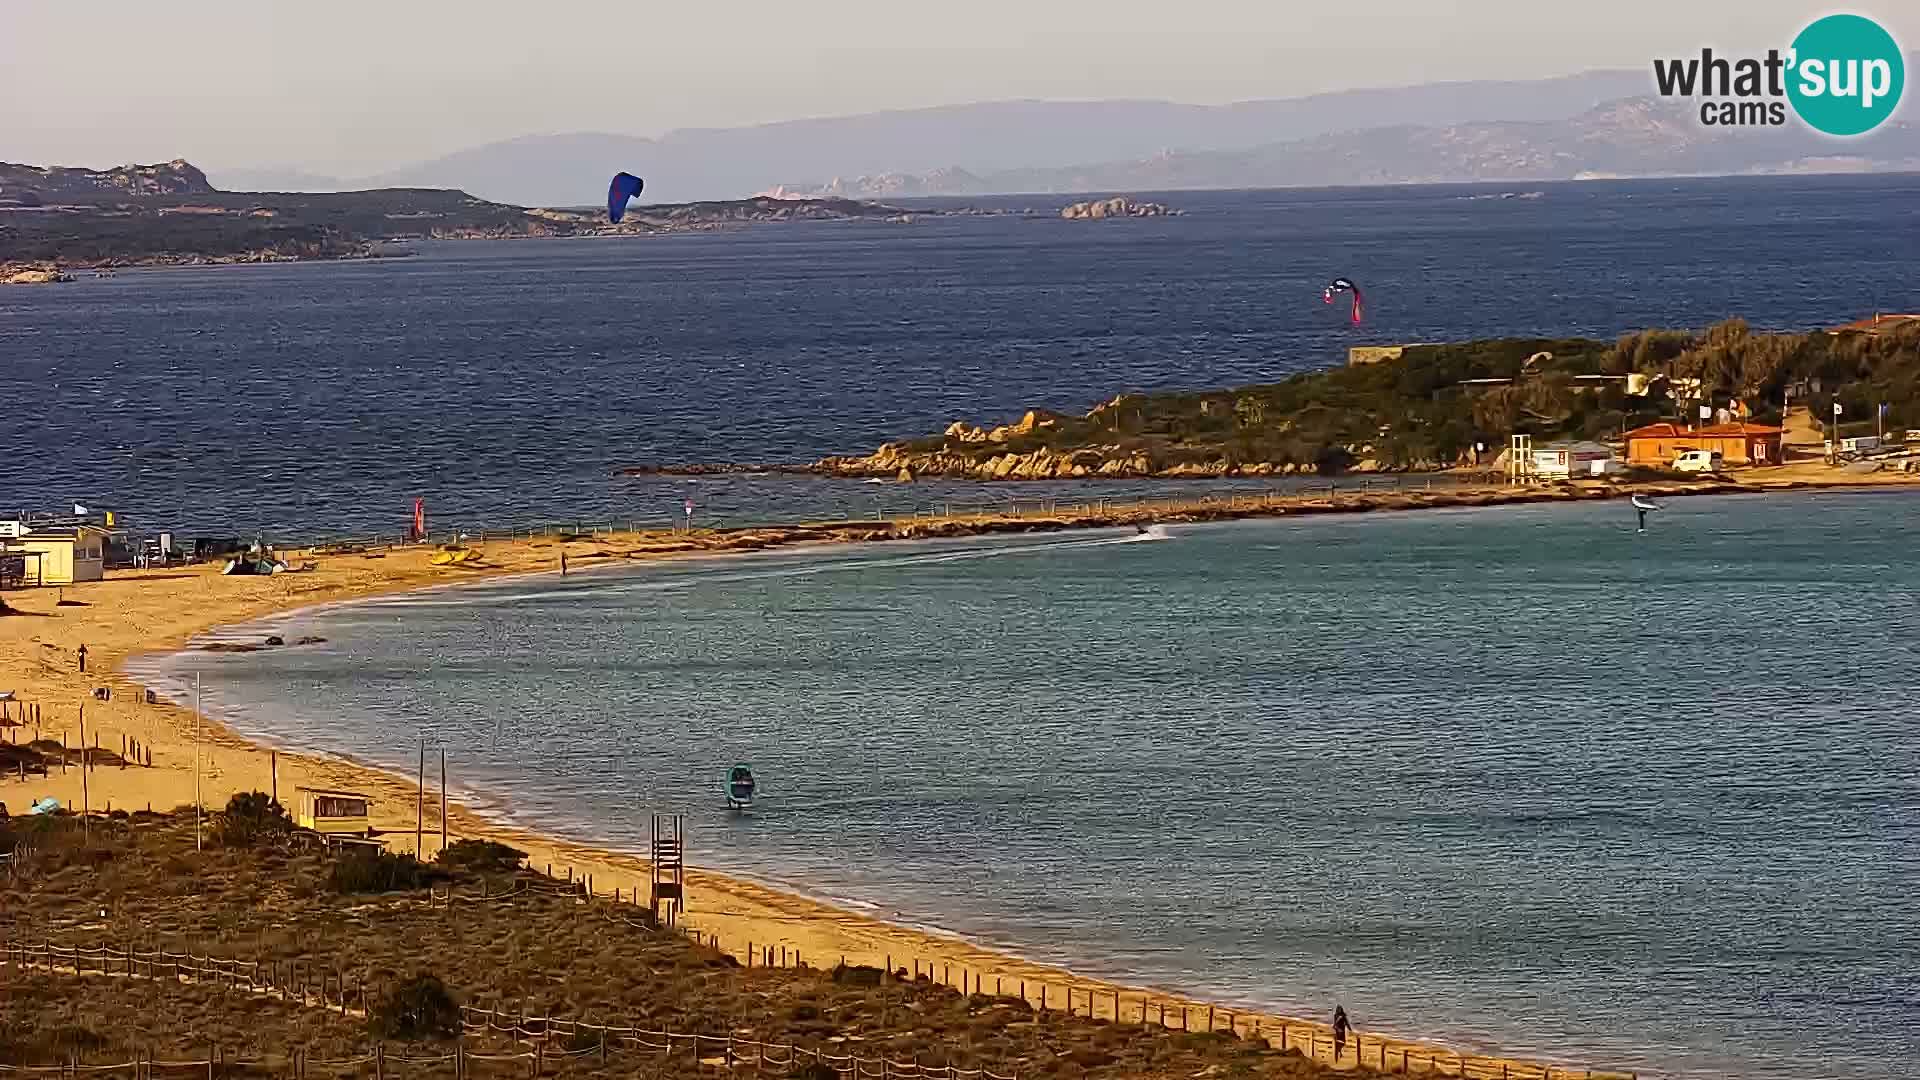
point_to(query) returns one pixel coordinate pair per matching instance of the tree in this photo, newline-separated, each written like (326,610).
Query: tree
(250,818)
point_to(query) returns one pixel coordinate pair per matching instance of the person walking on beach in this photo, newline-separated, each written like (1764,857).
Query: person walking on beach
(563,564)
(83,658)
(1340,1028)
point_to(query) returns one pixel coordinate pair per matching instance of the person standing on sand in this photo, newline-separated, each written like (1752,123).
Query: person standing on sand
(83,658)
(563,564)
(1340,1028)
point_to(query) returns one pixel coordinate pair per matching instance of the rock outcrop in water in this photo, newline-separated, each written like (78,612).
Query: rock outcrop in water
(1118,207)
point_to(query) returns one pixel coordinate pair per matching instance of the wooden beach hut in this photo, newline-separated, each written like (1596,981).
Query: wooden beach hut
(55,555)
(333,813)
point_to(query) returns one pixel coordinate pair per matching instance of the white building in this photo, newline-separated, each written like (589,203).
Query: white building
(1567,460)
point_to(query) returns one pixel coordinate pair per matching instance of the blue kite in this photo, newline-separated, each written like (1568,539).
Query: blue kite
(624,187)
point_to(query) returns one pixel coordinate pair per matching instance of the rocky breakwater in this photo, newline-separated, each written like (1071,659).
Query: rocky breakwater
(1118,207)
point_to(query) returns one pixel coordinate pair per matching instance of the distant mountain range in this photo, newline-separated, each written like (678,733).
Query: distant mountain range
(571,170)
(1627,138)
(1596,123)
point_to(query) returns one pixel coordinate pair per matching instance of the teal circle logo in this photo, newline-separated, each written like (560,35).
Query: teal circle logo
(1847,75)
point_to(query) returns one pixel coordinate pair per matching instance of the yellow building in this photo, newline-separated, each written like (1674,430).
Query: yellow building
(335,813)
(59,556)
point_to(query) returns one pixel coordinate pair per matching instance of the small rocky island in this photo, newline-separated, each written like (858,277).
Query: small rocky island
(1117,207)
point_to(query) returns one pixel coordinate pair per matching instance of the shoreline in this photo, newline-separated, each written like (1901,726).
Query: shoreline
(136,616)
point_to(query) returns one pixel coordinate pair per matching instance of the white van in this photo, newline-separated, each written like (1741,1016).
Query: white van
(1697,461)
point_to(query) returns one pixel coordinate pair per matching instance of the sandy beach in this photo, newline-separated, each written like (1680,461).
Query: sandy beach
(136,612)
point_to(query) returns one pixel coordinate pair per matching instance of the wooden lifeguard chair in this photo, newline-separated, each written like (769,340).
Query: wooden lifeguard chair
(667,854)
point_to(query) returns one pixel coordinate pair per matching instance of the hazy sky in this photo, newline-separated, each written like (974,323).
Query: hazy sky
(351,87)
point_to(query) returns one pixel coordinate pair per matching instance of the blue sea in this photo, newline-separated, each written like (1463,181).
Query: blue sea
(507,382)
(1518,779)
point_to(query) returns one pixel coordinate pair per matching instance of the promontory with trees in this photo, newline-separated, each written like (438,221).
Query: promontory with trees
(1429,406)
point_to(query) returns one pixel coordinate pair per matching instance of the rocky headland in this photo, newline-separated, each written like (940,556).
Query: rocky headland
(58,219)
(1411,408)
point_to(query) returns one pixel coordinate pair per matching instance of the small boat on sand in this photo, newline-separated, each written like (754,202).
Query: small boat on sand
(739,788)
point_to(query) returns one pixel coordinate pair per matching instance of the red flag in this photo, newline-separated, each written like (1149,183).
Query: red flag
(419,519)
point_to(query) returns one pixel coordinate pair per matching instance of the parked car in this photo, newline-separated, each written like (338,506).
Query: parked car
(1697,461)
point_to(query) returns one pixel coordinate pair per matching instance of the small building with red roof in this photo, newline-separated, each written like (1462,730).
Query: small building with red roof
(1880,323)
(1738,443)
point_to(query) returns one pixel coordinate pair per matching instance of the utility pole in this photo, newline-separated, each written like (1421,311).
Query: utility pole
(86,828)
(443,798)
(420,804)
(198,810)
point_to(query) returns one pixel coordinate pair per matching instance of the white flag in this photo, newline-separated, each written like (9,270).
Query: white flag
(78,509)
(1836,408)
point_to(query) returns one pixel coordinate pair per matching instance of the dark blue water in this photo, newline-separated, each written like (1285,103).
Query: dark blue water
(1519,779)
(505,381)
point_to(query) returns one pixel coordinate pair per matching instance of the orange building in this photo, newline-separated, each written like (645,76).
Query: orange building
(1737,443)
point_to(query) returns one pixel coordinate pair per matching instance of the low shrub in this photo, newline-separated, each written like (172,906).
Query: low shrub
(419,1008)
(480,857)
(379,872)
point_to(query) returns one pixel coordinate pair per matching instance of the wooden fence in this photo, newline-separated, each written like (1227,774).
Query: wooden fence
(551,1041)
(1382,1052)
(300,983)
(1115,1005)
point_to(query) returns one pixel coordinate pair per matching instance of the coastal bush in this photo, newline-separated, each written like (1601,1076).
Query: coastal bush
(251,817)
(379,872)
(419,1008)
(1333,459)
(857,975)
(480,857)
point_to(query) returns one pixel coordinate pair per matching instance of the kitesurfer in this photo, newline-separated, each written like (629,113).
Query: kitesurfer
(623,187)
(1345,285)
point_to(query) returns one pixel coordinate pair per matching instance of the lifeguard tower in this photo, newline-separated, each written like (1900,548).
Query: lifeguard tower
(668,854)
(1520,464)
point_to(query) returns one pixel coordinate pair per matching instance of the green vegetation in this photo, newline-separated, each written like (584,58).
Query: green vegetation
(484,857)
(419,1008)
(1430,406)
(251,818)
(380,872)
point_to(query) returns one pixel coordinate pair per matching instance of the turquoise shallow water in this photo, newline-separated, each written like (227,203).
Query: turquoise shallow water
(1516,778)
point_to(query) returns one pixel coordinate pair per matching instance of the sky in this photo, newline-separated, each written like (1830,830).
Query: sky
(351,87)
